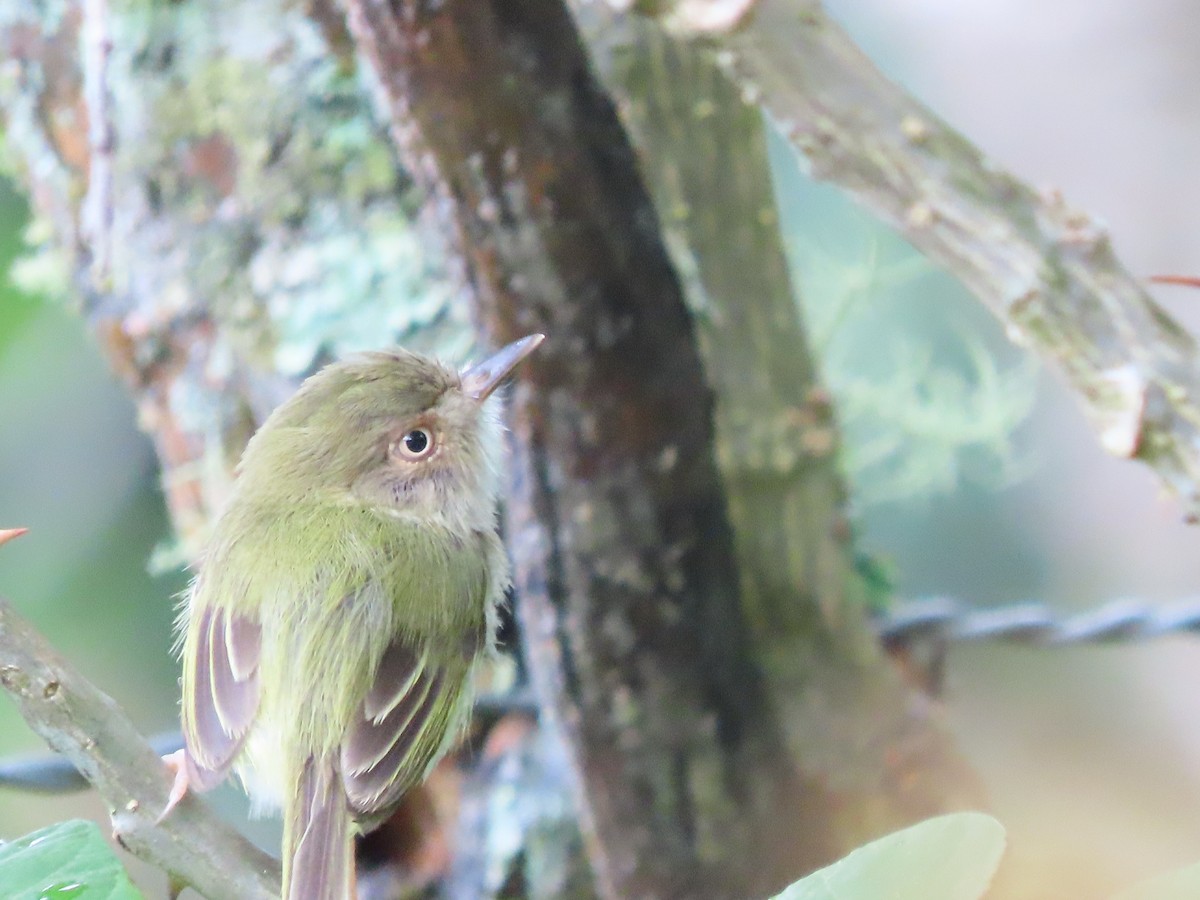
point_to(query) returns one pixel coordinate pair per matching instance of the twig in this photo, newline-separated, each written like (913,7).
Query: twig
(1184,280)
(7,534)
(52,774)
(1036,624)
(1047,271)
(86,726)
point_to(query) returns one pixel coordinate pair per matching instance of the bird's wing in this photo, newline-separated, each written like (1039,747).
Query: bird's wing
(223,699)
(403,724)
(418,700)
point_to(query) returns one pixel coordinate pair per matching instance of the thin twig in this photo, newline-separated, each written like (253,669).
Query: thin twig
(52,774)
(85,725)
(1036,624)
(7,534)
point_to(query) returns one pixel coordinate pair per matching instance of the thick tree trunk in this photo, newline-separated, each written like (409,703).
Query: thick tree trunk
(626,576)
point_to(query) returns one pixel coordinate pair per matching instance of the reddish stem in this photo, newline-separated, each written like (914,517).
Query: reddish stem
(1185,280)
(7,534)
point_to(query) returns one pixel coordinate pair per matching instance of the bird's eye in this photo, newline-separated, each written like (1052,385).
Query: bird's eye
(415,445)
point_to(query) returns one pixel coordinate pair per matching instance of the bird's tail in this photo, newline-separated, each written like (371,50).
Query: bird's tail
(318,848)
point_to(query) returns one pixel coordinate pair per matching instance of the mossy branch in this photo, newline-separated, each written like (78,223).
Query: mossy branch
(85,725)
(1045,270)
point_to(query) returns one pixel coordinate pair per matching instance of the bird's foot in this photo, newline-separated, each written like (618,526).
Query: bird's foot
(177,766)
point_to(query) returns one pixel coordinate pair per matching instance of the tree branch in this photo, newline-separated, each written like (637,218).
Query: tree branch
(1045,270)
(7,534)
(86,726)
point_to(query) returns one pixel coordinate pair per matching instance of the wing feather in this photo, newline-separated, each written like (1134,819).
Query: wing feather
(417,701)
(384,755)
(395,679)
(372,739)
(224,697)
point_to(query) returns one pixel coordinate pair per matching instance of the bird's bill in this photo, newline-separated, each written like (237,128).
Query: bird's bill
(481,379)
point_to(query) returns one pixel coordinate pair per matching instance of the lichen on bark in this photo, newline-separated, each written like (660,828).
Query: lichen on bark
(261,226)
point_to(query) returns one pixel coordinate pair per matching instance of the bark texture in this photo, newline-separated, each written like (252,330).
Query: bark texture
(878,746)
(626,575)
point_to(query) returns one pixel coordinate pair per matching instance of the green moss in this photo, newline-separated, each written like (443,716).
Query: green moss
(265,177)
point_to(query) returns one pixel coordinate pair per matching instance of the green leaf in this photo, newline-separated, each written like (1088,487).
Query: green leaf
(948,858)
(67,861)
(1182,884)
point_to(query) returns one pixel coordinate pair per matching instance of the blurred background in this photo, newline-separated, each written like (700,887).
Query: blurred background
(973,472)
(1091,756)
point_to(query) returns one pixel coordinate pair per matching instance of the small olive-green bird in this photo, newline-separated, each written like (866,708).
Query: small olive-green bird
(348,591)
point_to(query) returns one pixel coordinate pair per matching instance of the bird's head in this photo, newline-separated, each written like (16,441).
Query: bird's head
(396,431)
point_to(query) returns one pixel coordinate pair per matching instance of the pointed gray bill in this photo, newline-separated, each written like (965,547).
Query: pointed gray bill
(481,379)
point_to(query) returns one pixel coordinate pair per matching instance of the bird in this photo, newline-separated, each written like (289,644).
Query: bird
(348,591)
